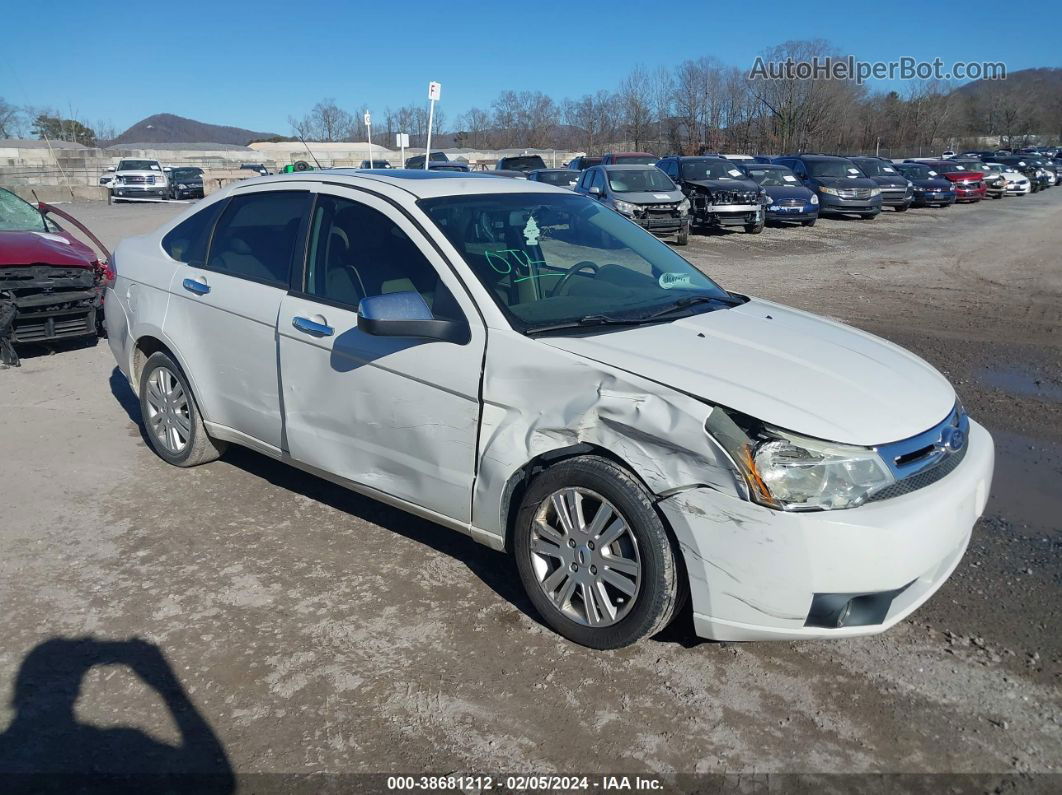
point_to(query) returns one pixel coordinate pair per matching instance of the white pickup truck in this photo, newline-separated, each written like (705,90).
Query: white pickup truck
(137,179)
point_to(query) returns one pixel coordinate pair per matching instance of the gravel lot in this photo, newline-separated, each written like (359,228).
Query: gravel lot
(316,631)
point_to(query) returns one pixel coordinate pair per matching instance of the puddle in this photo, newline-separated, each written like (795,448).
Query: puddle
(1025,485)
(1015,380)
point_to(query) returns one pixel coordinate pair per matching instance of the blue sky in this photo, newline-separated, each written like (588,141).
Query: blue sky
(254,64)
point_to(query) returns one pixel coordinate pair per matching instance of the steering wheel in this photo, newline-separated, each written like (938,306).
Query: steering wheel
(571,272)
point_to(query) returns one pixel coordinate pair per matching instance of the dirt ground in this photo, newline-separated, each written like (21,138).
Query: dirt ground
(314,631)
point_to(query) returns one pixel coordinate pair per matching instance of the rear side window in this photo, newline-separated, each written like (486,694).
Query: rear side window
(256,236)
(187,242)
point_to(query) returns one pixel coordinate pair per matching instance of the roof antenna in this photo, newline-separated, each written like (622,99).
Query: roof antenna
(311,153)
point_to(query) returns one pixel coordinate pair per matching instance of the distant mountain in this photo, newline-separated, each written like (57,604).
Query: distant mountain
(1045,82)
(165,128)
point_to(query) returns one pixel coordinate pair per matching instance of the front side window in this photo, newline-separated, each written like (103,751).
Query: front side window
(624,180)
(357,251)
(256,235)
(553,259)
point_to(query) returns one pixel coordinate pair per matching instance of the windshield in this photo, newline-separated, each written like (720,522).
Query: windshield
(832,168)
(772,176)
(138,165)
(523,163)
(876,168)
(629,180)
(711,168)
(554,259)
(950,168)
(17,215)
(563,178)
(635,160)
(186,173)
(973,165)
(917,172)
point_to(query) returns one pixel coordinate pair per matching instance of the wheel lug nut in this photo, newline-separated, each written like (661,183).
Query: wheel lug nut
(575,567)
(571,543)
(589,544)
(593,569)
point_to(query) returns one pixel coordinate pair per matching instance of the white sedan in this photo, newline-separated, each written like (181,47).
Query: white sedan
(521,364)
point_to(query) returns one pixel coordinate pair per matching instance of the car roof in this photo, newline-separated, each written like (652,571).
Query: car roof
(415,181)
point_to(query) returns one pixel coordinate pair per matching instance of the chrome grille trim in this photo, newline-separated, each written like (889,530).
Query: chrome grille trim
(925,458)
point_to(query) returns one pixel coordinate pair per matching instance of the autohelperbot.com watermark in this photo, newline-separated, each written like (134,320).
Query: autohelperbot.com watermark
(829,67)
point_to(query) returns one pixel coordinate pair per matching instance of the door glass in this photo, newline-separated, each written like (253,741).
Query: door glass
(356,251)
(187,242)
(257,234)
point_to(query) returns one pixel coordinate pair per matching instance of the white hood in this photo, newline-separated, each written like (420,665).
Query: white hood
(785,367)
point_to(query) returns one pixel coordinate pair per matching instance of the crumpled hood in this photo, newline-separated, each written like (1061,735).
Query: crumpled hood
(44,248)
(788,368)
(723,184)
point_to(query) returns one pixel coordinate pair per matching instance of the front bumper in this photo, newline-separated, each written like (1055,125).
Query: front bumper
(728,214)
(140,191)
(897,199)
(663,226)
(804,212)
(835,204)
(757,573)
(927,198)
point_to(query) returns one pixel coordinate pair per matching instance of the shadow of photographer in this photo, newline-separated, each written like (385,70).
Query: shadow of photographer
(46,749)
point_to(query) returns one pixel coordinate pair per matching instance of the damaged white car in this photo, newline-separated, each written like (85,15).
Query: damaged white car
(521,364)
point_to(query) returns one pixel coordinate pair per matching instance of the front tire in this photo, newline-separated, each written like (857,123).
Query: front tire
(683,237)
(594,556)
(809,222)
(902,208)
(171,417)
(754,228)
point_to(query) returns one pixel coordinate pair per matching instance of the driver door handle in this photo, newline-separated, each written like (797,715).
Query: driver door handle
(316,326)
(198,285)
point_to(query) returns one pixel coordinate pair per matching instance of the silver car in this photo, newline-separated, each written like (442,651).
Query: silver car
(644,194)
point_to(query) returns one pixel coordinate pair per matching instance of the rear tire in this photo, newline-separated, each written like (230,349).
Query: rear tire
(561,569)
(172,422)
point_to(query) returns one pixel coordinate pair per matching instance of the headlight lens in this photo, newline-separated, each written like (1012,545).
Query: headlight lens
(875,191)
(684,206)
(624,207)
(814,199)
(790,472)
(830,191)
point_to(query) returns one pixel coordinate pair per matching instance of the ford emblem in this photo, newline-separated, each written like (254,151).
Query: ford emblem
(952,439)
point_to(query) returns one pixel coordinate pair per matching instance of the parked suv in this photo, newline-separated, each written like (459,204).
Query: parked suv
(720,193)
(897,191)
(584,161)
(523,163)
(139,179)
(516,362)
(839,183)
(644,194)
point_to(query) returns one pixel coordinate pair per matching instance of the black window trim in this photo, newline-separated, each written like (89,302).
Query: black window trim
(280,285)
(222,204)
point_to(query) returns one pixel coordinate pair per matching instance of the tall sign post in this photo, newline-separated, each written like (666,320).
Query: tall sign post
(368,127)
(434,91)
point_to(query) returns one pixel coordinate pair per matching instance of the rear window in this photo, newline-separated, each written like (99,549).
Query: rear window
(187,242)
(529,163)
(635,160)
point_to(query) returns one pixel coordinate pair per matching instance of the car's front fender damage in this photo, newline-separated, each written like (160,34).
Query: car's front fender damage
(538,400)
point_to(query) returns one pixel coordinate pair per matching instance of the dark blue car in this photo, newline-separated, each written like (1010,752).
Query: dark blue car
(787,199)
(930,189)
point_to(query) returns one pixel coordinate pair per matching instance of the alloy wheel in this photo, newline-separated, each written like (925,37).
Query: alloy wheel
(169,413)
(585,557)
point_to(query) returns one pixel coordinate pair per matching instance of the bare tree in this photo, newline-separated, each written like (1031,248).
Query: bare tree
(11,120)
(476,123)
(593,115)
(635,101)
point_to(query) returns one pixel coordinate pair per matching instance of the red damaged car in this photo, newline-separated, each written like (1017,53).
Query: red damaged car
(51,284)
(969,185)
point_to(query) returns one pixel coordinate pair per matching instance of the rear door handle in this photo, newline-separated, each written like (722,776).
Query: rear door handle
(197,285)
(317,326)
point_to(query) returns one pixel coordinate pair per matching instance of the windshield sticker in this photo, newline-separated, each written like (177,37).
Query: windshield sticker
(671,280)
(853,171)
(788,178)
(734,172)
(932,173)
(888,169)
(531,232)
(959,168)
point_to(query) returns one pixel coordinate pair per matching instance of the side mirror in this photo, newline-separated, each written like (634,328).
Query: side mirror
(110,168)
(405,314)
(595,191)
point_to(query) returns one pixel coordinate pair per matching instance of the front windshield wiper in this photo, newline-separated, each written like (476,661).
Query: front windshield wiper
(587,321)
(691,300)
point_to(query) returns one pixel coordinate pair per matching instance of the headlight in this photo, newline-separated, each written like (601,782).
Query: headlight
(684,207)
(814,199)
(624,207)
(790,472)
(875,191)
(830,191)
